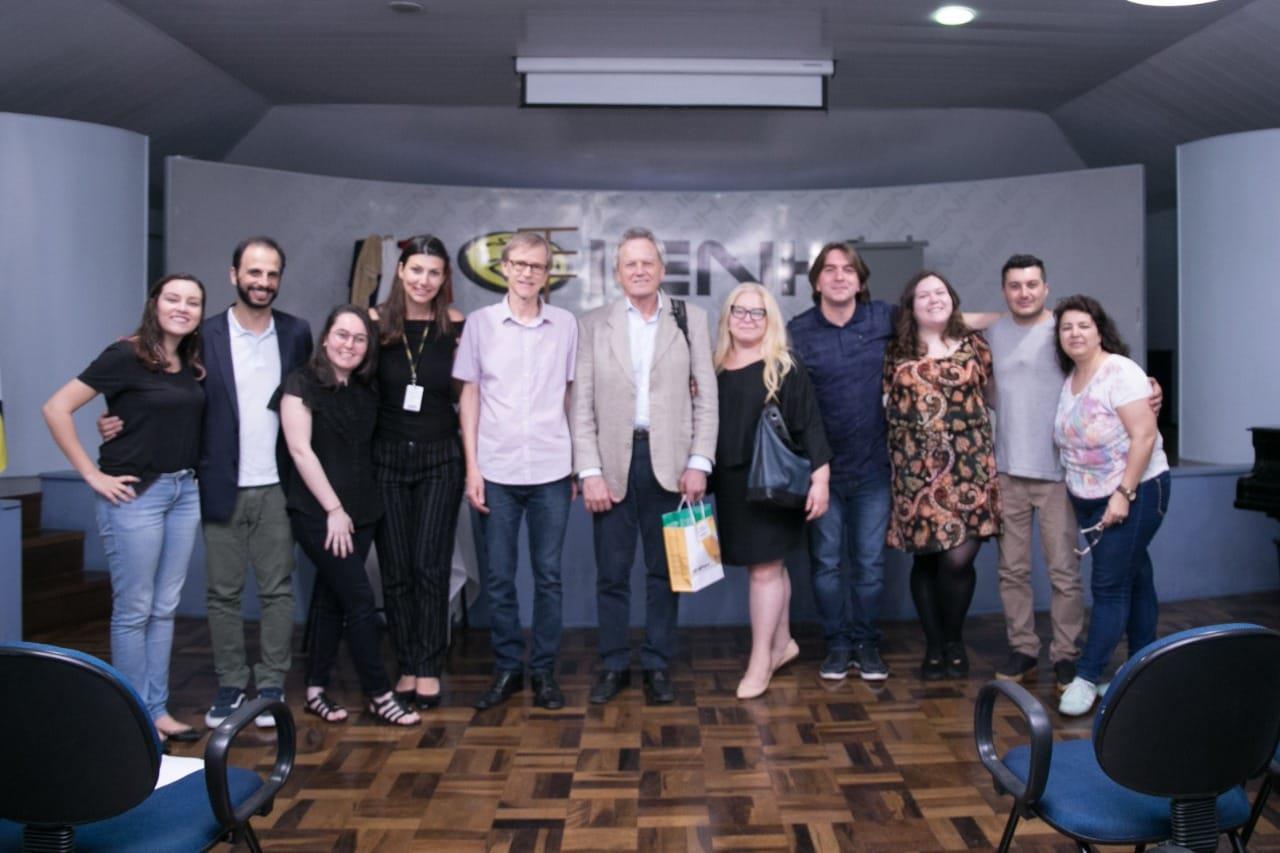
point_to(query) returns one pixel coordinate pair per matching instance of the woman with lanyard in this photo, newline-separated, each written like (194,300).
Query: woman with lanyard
(418,461)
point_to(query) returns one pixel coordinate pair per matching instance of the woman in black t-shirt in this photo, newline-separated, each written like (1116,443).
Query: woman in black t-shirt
(327,414)
(418,461)
(148,507)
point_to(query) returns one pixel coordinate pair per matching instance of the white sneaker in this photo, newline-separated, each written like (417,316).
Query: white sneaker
(1078,698)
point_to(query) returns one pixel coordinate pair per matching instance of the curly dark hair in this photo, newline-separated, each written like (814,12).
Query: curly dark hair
(1111,340)
(906,334)
(320,365)
(148,339)
(391,313)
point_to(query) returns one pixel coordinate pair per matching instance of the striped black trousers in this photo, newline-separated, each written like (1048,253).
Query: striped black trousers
(421,488)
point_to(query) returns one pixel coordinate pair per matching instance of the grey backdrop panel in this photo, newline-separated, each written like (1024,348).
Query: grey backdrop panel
(1087,226)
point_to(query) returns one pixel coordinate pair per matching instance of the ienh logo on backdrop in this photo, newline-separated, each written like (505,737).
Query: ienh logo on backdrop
(689,266)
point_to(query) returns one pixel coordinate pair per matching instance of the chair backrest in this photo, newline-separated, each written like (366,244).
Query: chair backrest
(76,744)
(1193,714)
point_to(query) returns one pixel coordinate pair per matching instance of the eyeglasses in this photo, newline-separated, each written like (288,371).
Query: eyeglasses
(737,312)
(342,336)
(526,267)
(1090,542)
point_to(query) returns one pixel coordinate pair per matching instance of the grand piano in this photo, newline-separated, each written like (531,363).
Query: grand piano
(1260,490)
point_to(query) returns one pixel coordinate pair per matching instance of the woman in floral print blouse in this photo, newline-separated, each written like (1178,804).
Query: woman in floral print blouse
(946,497)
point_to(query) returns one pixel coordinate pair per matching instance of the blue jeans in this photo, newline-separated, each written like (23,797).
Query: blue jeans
(546,506)
(846,558)
(1123,586)
(148,543)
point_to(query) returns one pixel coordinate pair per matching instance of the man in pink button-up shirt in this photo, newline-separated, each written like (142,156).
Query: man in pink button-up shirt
(516,359)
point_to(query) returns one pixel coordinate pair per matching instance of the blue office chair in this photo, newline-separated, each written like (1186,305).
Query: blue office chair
(79,760)
(1185,722)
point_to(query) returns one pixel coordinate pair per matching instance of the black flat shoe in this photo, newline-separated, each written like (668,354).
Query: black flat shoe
(609,683)
(425,701)
(932,668)
(957,660)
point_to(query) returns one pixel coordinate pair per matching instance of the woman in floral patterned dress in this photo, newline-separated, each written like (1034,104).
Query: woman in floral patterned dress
(946,497)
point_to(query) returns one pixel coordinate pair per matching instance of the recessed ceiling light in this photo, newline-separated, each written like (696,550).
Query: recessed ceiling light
(1172,2)
(406,6)
(954,16)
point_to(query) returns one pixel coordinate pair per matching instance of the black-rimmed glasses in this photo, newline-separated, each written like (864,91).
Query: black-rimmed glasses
(737,312)
(523,267)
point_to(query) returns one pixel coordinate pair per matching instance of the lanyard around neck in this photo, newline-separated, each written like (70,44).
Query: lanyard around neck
(414,359)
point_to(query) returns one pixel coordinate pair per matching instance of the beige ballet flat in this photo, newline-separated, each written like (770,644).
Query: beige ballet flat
(750,691)
(792,652)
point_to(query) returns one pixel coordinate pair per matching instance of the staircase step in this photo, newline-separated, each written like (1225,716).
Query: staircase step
(66,604)
(50,557)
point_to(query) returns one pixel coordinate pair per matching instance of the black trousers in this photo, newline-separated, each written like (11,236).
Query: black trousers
(638,517)
(343,603)
(421,488)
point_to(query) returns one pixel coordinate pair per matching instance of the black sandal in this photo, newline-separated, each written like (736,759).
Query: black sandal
(391,711)
(324,708)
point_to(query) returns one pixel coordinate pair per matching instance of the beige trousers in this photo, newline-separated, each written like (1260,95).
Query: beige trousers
(1022,499)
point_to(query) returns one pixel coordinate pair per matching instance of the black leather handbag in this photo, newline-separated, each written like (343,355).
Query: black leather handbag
(779,475)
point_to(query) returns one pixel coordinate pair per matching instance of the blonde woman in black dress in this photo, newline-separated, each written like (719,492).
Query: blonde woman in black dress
(754,367)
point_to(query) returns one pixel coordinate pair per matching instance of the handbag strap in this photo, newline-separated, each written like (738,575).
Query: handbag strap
(771,416)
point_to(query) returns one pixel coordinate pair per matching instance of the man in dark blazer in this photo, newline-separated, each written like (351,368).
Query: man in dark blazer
(247,351)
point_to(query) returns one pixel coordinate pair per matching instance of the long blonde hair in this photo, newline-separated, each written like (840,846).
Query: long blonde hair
(777,356)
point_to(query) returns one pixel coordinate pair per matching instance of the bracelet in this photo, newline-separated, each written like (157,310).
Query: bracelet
(332,511)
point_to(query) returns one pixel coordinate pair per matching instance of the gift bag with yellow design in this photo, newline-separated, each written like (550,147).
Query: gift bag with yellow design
(693,548)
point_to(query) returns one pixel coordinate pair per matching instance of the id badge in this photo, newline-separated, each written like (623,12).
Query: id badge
(413,398)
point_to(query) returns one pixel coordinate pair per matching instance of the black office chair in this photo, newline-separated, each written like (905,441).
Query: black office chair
(1185,722)
(79,761)
(1260,802)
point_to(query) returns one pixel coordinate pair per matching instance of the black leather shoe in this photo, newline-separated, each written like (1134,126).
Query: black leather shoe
(609,683)
(504,686)
(546,693)
(658,688)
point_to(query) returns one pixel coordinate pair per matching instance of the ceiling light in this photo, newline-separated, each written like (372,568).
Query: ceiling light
(674,82)
(954,16)
(407,6)
(1172,2)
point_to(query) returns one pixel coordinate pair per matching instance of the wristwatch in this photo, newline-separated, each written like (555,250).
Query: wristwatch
(1130,495)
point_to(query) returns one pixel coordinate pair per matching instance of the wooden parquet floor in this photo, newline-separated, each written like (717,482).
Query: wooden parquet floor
(812,765)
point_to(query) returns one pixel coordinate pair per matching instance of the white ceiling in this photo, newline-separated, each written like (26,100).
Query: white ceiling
(350,87)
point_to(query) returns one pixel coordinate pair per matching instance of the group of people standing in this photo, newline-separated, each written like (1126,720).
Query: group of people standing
(236,424)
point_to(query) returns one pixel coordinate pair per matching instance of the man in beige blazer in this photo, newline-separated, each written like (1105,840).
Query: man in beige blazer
(644,420)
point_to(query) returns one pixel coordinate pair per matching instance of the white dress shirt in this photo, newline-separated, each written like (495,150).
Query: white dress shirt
(255,363)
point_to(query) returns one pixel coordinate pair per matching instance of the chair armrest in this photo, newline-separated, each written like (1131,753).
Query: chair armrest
(215,760)
(1026,793)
